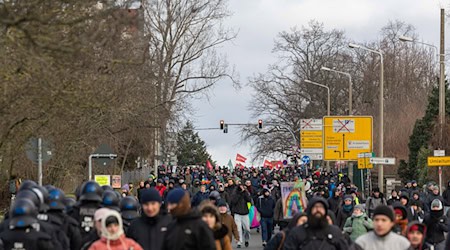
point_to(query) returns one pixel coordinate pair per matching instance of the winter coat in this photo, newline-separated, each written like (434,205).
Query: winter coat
(239,201)
(225,196)
(223,242)
(393,200)
(342,216)
(356,226)
(370,241)
(161,190)
(334,203)
(119,244)
(149,232)
(372,203)
(228,221)
(199,197)
(436,226)
(189,232)
(265,206)
(306,238)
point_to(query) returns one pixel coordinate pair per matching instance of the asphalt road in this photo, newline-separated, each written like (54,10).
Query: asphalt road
(255,241)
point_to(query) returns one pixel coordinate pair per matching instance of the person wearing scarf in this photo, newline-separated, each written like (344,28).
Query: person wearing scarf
(345,211)
(401,219)
(112,234)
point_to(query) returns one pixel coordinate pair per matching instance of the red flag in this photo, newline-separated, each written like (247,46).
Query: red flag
(268,164)
(240,159)
(208,165)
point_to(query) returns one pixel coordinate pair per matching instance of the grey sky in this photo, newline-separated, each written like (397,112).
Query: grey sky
(258,23)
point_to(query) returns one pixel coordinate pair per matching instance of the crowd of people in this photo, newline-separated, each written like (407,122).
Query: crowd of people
(199,208)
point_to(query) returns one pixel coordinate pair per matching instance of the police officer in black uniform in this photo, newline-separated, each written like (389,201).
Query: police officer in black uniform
(40,226)
(68,224)
(129,209)
(90,197)
(20,233)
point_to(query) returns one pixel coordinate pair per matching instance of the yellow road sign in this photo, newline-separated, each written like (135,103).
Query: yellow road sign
(364,163)
(346,136)
(438,161)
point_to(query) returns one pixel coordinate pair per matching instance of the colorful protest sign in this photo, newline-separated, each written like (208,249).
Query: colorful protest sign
(116,181)
(293,198)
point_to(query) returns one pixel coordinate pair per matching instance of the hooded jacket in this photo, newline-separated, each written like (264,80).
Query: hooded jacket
(239,201)
(436,223)
(359,225)
(188,231)
(149,232)
(116,241)
(305,237)
(266,206)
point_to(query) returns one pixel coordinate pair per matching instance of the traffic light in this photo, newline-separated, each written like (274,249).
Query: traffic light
(260,124)
(225,129)
(221,124)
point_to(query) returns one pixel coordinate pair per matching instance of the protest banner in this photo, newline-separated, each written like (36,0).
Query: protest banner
(293,198)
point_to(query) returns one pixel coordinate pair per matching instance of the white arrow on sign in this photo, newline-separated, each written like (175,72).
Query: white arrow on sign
(382,161)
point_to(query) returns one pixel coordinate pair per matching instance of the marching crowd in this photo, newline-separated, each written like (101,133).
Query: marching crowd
(199,208)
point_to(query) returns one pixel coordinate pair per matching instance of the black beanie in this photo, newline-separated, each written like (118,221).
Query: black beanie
(149,195)
(384,210)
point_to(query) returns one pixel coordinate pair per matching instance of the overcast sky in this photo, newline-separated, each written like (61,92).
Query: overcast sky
(259,22)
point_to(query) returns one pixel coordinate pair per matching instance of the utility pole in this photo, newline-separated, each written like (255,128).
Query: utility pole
(441,92)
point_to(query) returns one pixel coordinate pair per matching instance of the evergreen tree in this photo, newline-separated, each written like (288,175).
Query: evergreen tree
(191,148)
(422,137)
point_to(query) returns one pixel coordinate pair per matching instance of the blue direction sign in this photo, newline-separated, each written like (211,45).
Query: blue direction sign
(306,159)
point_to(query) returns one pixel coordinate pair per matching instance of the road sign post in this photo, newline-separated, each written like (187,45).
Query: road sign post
(439,160)
(311,138)
(98,156)
(38,151)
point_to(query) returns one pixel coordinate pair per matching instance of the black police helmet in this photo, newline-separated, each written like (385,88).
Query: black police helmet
(91,191)
(49,187)
(110,200)
(106,188)
(69,203)
(44,196)
(56,199)
(29,195)
(23,213)
(129,207)
(27,184)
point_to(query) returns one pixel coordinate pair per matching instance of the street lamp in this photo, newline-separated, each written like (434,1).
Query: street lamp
(441,60)
(350,87)
(381,132)
(328,91)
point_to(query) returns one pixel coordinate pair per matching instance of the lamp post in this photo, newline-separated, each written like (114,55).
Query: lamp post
(350,87)
(441,56)
(328,92)
(381,118)
(328,105)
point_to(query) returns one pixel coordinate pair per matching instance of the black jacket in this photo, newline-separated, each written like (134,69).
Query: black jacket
(84,215)
(306,238)
(189,232)
(31,240)
(335,203)
(342,216)
(266,206)
(149,232)
(436,226)
(69,227)
(239,201)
